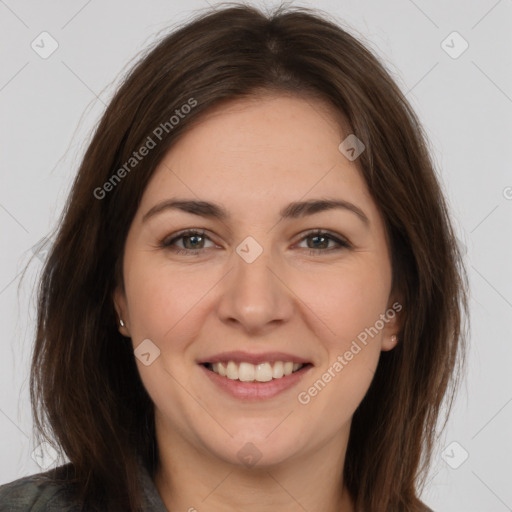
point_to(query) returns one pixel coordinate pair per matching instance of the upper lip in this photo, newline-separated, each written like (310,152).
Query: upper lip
(239,356)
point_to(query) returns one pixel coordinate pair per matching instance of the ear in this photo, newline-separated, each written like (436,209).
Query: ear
(393,322)
(120,305)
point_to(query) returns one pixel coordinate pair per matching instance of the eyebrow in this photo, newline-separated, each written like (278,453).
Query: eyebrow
(293,210)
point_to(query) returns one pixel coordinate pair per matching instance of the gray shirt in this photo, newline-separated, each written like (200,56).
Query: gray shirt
(35,493)
(32,494)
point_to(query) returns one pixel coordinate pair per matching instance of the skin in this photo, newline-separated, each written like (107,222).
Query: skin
(254,157)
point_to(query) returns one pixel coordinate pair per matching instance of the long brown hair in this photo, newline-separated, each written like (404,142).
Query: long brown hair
(86,392)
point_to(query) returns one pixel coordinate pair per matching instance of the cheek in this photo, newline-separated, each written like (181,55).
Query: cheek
(162,299)
(166,307)
(346,300)
(348,304)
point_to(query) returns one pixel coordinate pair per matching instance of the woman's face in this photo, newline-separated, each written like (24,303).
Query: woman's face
(258,291)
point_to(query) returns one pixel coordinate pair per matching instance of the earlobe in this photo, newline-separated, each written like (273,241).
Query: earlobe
(390,343)
(394,322)
(121,310)
(123,329)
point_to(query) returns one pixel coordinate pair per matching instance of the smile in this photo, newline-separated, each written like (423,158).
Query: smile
(248,372)
(259,383)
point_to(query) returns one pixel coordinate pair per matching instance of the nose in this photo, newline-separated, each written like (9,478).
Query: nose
(255,296)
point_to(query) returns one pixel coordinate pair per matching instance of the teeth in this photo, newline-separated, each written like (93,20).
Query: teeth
(246,372)
(278,370)
(231,371)
(221,369)
(263,372)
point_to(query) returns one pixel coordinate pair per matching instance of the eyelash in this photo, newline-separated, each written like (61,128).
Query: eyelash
(167,243)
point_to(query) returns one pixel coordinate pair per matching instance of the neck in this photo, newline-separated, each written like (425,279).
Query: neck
(189,479)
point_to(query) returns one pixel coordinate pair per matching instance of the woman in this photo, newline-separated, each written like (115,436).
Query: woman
(255,297)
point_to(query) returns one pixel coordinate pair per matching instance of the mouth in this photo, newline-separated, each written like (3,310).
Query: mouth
(248,376)
(255,373)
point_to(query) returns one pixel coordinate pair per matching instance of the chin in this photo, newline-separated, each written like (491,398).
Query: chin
(257,451)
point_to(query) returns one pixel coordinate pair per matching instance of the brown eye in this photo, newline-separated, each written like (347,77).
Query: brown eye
(192,241)
(320,242)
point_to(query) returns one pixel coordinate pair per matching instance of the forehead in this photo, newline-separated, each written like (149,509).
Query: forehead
(259,152)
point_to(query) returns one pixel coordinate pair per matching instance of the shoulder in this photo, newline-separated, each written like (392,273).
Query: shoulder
(37,493)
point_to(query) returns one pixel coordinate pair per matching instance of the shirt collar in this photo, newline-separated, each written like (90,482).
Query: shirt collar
(152,499)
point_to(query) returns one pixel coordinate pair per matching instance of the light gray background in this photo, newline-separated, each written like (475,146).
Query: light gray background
(49,106)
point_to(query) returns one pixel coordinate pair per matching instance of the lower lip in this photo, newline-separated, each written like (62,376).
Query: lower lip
(256,390)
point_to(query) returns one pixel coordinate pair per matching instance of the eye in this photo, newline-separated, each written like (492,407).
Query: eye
(193,242)
(194,239)
(321,241)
